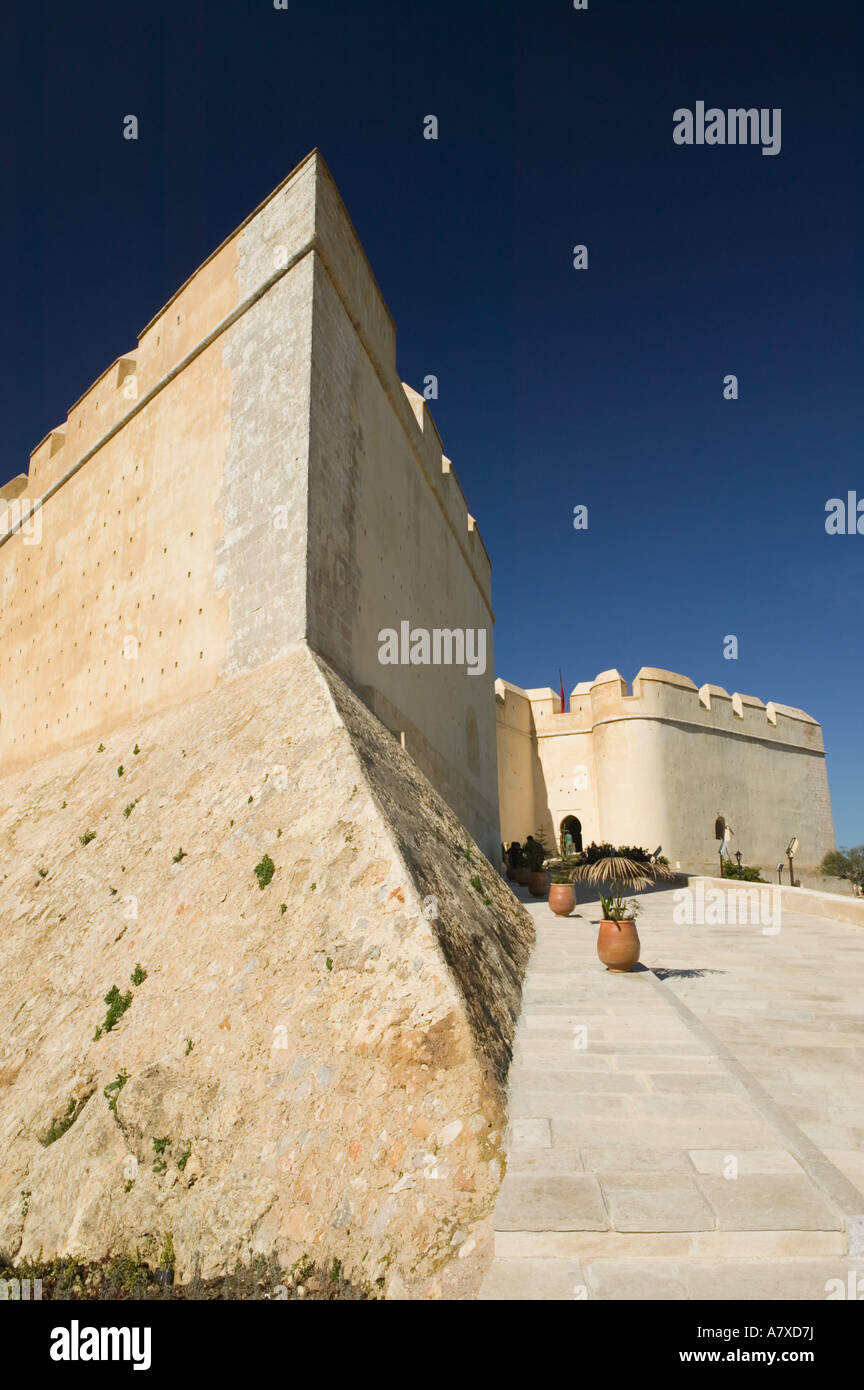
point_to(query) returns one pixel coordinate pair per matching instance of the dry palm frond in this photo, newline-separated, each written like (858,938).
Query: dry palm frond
(617,870)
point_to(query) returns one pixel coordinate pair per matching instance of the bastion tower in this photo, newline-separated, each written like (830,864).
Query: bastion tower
(212,788)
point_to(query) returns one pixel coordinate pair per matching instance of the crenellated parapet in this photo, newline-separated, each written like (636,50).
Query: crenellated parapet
(671,698)
(443,479)
(304,214)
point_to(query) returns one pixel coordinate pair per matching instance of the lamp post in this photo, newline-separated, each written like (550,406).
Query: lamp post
(791,851)
(738,857)
(780,872)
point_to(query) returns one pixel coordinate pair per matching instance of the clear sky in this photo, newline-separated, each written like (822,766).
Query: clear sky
(601,387)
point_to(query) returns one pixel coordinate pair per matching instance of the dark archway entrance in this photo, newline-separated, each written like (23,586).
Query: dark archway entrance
(574,826)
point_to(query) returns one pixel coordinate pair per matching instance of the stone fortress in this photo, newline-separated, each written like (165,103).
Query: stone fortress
(207,772)
(664,765)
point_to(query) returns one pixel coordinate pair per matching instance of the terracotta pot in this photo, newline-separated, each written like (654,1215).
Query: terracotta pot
(618,945)
(523,877)
(562,899)
(538,884)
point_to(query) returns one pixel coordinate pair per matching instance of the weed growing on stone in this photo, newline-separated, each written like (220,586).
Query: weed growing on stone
(113,1089)
(477,885)
(139,975)
(264,871)
(117,1005)
(127,1277)
(185,1156)
(127,810)
(121,769)
(88,836)
(189,1046)
(58,1127)
(181,854)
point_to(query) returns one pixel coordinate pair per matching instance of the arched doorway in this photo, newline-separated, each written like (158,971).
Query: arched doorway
(573,826)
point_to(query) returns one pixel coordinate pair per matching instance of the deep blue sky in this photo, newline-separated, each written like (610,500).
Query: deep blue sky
(558,387)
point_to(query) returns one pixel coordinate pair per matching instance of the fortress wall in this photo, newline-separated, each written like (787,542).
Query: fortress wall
(189,482)
(568,783)
(517,763)
(766,793)
(160,565)
(127,552)
(260,560)
(664,761)
(149,532)
(386,541)
(666,695)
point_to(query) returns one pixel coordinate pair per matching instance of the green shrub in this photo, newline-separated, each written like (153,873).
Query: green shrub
(748,874)
(117,1005)
(845,863)
(264,871)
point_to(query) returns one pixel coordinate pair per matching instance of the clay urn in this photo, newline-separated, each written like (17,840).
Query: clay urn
(618,945)
(562,899)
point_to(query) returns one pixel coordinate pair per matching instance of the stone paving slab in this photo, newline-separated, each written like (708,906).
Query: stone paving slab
(686,1245)
(550,1202)
(546,1280)
(693,1129)
(655,1202)
(769,1202)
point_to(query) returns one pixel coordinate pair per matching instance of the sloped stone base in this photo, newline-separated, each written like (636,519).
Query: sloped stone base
(316,1065)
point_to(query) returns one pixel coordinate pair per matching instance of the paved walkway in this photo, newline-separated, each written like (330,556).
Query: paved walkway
(693,1129)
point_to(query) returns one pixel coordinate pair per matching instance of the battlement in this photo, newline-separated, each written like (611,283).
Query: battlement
(303,214)
(667,696)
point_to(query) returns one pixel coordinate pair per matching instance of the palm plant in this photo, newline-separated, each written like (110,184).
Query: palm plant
(621,874)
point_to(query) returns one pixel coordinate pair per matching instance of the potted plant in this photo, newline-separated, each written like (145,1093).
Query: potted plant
(522,872)
(562,898)
(536,854)
(618,943)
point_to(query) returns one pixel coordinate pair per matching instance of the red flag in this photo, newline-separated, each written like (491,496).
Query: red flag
(563,704)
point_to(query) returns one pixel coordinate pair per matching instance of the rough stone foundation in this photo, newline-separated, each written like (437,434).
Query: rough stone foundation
(320,1061)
